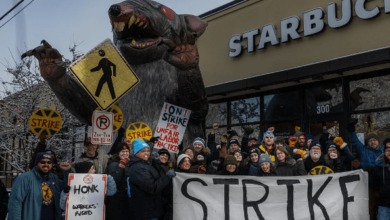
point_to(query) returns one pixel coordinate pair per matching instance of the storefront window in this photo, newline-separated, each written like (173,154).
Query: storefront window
(282,106)
(375,122)
(370,93)
(323,99)
(284,129)
(240,131)
(218,134)
(245,110)
(217,114)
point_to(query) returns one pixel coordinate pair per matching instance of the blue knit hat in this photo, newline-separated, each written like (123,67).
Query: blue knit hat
(41,156)
(309,137)
(268,133)
(139,145)
(264,158)
(199,140)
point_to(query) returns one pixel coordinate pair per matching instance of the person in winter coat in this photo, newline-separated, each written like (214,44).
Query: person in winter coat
(118,167)
(317,159)
(195,163)
(265,167)
(299,144)
(183,163)
(254,154)
(243,165)
(267,145)
(341,148)
(36,194)
(287,166)
(146,184)
(3,201)
(88,168)
(233,146)
(41,147)
(92,155)
(380,179)
(229,167)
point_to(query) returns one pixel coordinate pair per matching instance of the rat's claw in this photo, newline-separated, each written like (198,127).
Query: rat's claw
(46,44)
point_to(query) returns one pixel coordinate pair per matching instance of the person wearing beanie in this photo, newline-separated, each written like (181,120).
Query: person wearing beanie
(285,165)
(299,142)
(380,179)
(233,146)
(254,155)
(316,158)
(338,146)
(39,190)
(309,138)
(118,167)
(183,163)
(267,145)
(230,167)
(145,184)
(266,167)
(195,162)
(243,165)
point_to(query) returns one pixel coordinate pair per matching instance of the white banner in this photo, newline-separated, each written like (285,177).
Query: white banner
(171,127)
(339,196)
(86,197)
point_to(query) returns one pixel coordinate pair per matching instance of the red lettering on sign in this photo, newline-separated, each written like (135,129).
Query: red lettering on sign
(44,123)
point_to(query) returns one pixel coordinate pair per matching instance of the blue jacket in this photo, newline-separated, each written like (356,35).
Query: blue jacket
(254,169)
(26,195)
(367,154)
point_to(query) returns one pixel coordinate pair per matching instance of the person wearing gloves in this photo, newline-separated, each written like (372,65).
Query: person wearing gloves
(298,141)
(87,168)
(267,145)
(36,194)
(380,179)
(118,167)
(145,184)
(285,165)
(316,158)
(265,167)
(342,150)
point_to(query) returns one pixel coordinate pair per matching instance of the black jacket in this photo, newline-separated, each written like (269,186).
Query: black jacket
(3,201)
(146,186)
(335,165)
(380,178)
(116,205)
(290,168)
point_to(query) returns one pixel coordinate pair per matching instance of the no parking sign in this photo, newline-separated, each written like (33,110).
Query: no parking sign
(102,127)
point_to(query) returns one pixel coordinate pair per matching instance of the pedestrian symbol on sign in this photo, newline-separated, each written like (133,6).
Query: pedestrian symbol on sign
(106,65)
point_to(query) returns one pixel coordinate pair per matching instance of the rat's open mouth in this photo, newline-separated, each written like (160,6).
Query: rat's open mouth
(135,29)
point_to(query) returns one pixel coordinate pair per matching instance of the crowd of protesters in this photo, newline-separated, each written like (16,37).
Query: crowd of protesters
(139,183)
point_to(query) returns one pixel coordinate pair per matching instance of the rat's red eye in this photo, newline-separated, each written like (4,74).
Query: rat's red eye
(168,12)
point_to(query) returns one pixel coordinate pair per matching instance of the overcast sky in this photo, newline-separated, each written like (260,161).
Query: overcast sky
(61,21)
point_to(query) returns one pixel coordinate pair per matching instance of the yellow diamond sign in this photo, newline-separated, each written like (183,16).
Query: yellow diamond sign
(104,74)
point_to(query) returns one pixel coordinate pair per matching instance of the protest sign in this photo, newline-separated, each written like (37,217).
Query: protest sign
(139,130)
(338,196)
(86,197)
(45,121)
(102,127)
(171,127)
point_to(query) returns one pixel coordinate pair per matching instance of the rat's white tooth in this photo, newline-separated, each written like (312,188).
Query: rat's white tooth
(131,21)
(137,20)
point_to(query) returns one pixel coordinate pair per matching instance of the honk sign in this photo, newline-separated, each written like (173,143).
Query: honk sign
(171,127)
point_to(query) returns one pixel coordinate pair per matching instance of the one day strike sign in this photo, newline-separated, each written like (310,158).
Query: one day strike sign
(171,127)
(339,196)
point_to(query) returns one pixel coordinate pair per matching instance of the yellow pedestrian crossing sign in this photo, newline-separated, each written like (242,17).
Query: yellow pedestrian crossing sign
(104,74)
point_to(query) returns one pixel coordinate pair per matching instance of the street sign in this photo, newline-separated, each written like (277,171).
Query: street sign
(102,127)
(104,74)
(139,130)
(45,121)
(118,116)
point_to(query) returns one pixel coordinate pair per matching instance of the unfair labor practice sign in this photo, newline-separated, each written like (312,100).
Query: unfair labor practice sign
(104,74)
(171,127)
(45,121)
(102,127)
(86,196)
(338,196)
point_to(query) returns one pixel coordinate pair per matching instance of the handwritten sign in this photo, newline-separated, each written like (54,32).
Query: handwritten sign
(171,127)
(45,121)
(86,197)
(102,127)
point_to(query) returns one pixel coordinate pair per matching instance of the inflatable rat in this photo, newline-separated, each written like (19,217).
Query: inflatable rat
(160,47)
